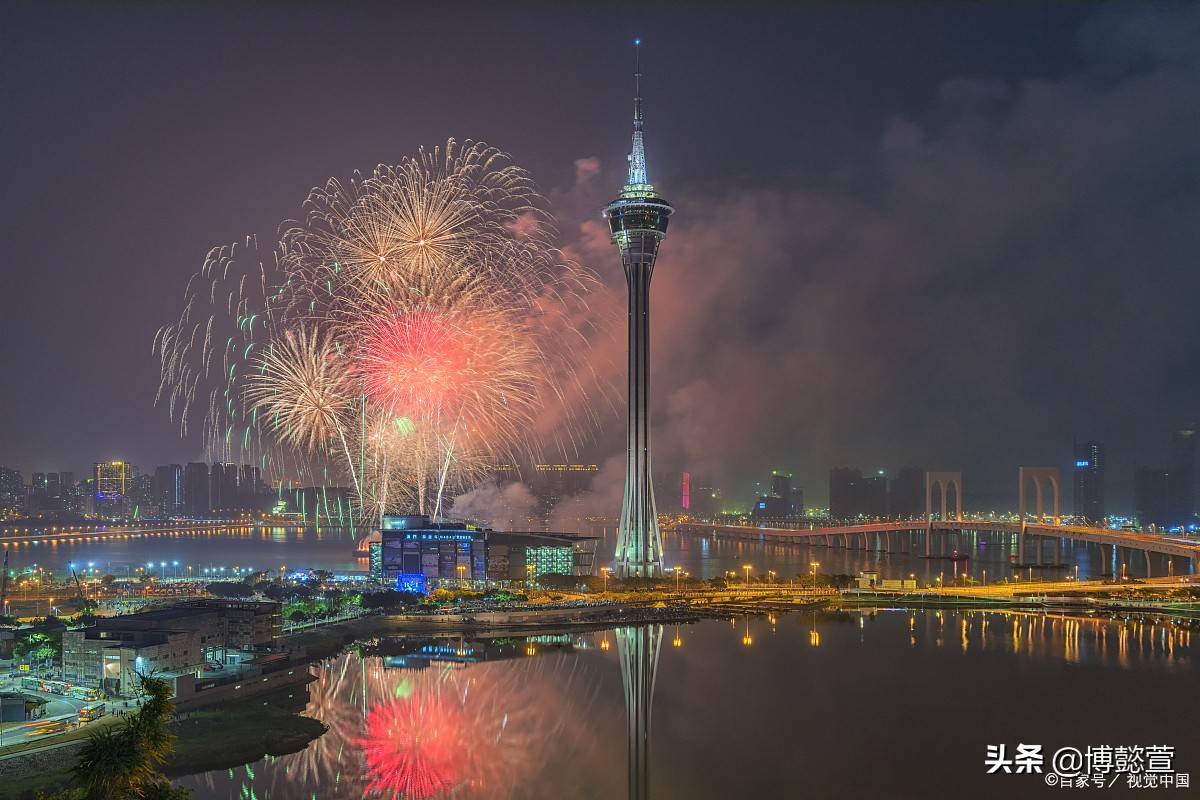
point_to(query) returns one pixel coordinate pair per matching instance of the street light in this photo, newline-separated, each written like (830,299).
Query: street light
(747,567)
(812,566)
(604,571)
(461,571)
(678,570)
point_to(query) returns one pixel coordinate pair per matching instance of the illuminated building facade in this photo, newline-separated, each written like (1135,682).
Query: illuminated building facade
(413,551)
(1088,481)
(637,222)
(12,492)
(110,484)
(168,489)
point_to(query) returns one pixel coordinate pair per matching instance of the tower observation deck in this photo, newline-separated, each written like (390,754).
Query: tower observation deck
(637,222)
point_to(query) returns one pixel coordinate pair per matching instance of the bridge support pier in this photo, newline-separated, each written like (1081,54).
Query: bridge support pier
(1021,545)
(1147,554)
(929,539)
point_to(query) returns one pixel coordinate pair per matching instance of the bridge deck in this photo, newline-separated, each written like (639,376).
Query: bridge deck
(1165,545)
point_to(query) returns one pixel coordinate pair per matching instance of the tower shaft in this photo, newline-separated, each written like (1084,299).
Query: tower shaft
(639,540)
(638,223)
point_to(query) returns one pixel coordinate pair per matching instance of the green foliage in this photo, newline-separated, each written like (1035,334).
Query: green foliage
(122,762)
(37,644)
(390,599)
(230,589)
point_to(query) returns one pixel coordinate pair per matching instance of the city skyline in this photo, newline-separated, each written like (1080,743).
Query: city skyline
(857,342)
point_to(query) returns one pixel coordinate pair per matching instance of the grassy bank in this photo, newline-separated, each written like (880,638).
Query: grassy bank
(216,738)
(220,738)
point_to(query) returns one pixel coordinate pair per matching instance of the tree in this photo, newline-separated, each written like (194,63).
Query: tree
(229,590)
(122,762)
(390,599)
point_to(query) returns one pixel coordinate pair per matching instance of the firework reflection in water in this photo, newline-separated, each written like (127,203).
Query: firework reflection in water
(479,731)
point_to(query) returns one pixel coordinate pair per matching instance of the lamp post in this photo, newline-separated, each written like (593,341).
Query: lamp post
(461,572)
(812,566)
(747,567)
(604,571)
(678,571)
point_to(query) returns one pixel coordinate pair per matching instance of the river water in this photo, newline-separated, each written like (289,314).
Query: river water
(985,557)
(889,704)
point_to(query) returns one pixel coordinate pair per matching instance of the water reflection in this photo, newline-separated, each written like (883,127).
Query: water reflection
(553,716)
(639,649)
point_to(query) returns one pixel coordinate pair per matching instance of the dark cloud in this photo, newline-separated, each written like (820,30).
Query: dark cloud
(1012,265)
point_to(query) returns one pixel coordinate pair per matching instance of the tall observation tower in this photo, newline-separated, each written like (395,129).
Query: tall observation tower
(637,220)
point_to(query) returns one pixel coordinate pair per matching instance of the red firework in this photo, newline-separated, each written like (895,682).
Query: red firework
(417,362)
(415,748)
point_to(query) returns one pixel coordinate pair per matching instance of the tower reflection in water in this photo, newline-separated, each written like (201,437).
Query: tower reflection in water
(639,648)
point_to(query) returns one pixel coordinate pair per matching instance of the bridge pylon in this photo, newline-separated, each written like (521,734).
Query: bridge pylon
(943,480)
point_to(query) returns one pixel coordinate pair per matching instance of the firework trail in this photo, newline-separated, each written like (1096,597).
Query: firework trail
(405,336)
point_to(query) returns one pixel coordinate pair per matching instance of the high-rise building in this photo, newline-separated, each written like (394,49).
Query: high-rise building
(706,499)
(781,504)
(685,492)
(781,484)
(110,488)
(1181,508)
(906,493)
(871,496)
(1151,494)
(250,487)
(37,485)
(554,482)
(168,489)
(1089,481)
(637,222)
(12,493)
(843,483)
(196,489)
(223,487)
(852,494)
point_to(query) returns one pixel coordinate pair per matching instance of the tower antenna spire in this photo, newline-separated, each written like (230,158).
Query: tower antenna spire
(637,84)
(637,155)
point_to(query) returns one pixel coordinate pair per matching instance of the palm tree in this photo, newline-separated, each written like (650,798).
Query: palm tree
(110,765)
(123,761)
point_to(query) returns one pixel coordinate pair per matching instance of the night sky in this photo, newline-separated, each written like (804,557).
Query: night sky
(954,236)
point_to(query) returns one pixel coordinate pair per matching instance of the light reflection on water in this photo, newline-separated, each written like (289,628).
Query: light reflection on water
(990,555)
(775,706)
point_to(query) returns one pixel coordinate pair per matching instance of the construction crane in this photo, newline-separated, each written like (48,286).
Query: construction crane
(79,586)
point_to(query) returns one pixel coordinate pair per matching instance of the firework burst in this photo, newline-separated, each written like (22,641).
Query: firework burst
(401,335)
